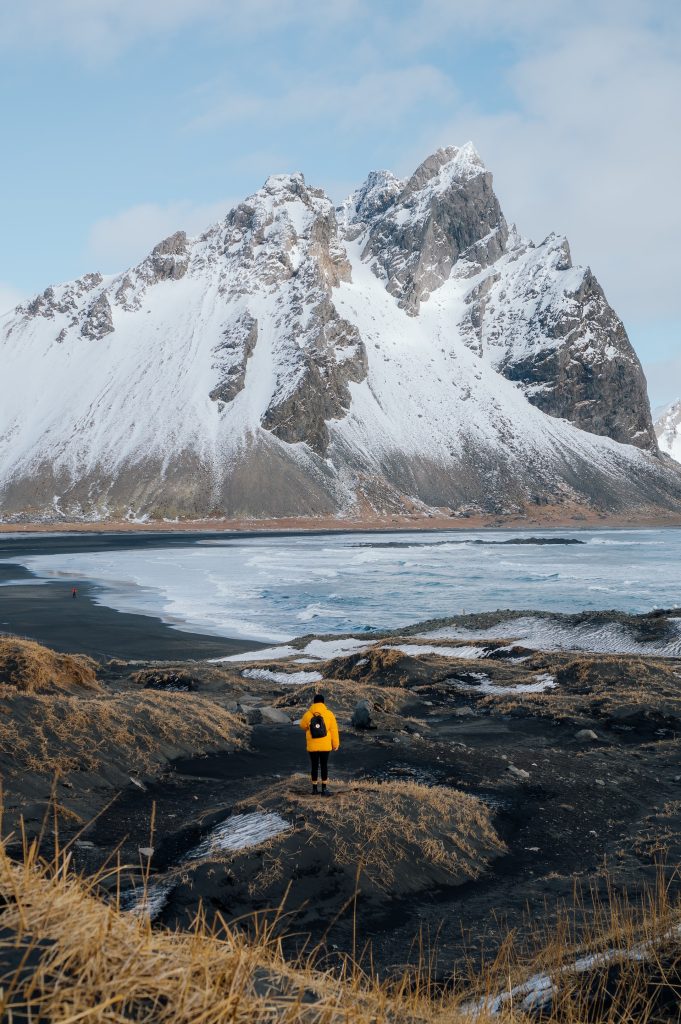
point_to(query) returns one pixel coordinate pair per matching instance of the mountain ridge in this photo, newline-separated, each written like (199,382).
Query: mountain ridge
(403,350)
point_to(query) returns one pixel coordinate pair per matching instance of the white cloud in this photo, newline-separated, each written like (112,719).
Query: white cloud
(591,150)
(376,99)
(119,241)
(97,29)
(9,297)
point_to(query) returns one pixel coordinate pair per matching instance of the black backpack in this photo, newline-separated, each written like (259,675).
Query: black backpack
(317,727)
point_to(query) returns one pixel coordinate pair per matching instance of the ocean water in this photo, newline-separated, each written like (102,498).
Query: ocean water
(275,588)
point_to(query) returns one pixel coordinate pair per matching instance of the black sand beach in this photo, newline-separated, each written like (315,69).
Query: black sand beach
(46,611)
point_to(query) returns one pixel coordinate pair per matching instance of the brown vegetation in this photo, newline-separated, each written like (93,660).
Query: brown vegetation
(66,956)
(48,734)
(423,834)
(342,695)
(28,667)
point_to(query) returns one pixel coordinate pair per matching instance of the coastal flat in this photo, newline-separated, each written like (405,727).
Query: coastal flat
(558,518)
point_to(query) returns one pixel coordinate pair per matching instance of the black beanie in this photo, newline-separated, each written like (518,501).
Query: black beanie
(318,698)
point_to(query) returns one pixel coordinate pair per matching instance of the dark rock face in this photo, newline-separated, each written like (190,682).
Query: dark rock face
(549,327)
(98,320)
(169,259)
(600,390)
(287,238)
(321,391)
(447,210)
(232,355)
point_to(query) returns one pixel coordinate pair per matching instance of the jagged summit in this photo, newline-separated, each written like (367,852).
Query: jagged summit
(447,165)
(404,350)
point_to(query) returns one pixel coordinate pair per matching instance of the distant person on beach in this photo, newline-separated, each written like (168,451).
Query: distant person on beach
(74,593)
(321,734)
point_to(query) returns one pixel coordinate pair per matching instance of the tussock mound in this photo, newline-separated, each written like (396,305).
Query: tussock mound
(382,666)
(126,732)
(402,836)
(342,696)
(28,667)
(370,841)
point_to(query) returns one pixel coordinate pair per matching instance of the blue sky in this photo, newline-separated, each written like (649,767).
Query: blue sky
(124,120)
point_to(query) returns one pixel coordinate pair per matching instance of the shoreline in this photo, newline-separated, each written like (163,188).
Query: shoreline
(46,612)
(364,524)
(43,610)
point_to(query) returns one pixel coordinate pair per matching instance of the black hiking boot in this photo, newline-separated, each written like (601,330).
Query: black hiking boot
(325,791)
(314,788)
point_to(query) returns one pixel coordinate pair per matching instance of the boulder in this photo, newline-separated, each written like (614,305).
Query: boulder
(361,716)
(518,773)
(252,715)
(586,735)
(274,716)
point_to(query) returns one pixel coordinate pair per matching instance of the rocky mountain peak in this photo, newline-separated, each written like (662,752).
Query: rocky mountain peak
(369,201)
(447,165)
(446,211)
(405,349)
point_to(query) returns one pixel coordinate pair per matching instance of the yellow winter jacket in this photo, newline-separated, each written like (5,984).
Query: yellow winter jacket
(329,742)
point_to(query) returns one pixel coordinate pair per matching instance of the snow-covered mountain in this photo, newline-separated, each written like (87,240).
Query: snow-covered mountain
(668,430)
(404,350)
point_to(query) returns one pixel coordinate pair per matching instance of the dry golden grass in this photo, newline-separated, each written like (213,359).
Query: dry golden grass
(28,667)
(73,958)
(595,684)
(387,829)
(97,964)
(342,695)
(53,733)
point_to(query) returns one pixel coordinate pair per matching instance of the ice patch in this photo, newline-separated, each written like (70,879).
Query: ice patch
(538,990)
(136,901)
(236,833)
(289,678)
(554,635)
(485,685)
(239,832)
(465,651)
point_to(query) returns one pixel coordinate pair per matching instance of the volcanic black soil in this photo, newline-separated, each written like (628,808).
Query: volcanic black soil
(574,759)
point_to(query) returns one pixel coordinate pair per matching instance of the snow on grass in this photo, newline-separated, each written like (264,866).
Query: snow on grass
(324,649)
(552,634)
(264,654)
(315,650)
(269,676)
(465,651)
(484,684)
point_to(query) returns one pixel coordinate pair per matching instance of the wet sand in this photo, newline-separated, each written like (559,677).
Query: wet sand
(46,611)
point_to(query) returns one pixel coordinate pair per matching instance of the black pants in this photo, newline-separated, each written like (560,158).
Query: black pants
(317,758)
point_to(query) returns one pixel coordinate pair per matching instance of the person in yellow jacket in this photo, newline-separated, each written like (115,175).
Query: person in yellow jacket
(321,734)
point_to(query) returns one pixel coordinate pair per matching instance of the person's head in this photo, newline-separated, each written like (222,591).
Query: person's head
(319,698)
